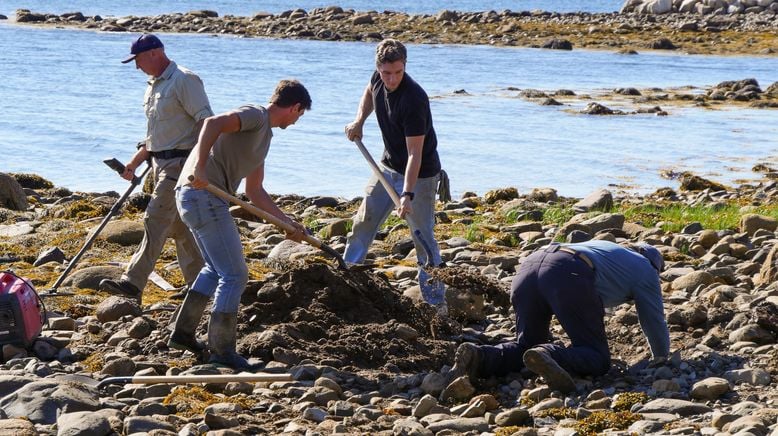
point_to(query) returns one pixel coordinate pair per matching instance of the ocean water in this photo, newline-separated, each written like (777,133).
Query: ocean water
(69,103)
(244,8)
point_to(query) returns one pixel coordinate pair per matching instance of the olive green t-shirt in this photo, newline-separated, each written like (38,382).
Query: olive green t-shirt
(235,155)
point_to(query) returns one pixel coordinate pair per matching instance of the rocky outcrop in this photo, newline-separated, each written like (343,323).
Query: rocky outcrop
(612,31)
(12,194)
(701,7)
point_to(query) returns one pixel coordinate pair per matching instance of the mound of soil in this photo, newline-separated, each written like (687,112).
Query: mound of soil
(348,319)
(472,280)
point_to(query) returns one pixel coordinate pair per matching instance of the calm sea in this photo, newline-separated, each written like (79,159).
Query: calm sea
(69,103)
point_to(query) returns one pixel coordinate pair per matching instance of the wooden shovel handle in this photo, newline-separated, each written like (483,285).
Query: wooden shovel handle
(377,171)
(206,378)
(395,198)
(272,219)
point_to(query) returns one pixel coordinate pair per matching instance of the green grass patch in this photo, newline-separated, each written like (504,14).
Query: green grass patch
(391,221)
(557,215)
(312,222)
(349,226)
(675,216)
(473,233)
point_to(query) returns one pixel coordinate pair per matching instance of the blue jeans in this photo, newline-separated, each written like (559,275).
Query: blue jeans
(553,283)
(225,273)
(374,210)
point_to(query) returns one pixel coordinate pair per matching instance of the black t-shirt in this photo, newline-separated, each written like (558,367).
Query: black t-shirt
(405,112)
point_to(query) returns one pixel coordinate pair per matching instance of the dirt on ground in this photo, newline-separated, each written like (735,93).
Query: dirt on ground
(469,278)
(354,320)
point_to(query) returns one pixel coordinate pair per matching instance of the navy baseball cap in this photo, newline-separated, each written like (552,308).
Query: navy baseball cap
(652,254)
(144,42)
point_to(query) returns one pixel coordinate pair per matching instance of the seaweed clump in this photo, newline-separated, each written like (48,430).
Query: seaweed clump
(191,401)
(626,400)
(84,209)
(32,181)
(557,413)
(601,420)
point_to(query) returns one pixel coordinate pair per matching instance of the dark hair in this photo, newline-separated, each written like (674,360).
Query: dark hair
(390,50)
(289,93)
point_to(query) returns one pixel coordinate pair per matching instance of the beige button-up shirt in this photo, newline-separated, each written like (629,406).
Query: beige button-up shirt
(175,102)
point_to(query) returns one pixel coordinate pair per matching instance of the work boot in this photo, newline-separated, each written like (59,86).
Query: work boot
(539,361)
(189,314)
(120,287)
(466,362)
(222,340)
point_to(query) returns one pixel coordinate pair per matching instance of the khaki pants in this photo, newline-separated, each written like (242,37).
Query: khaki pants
(160,221)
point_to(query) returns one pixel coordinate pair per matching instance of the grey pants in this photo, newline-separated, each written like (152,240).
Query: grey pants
(160,221)
(377,206)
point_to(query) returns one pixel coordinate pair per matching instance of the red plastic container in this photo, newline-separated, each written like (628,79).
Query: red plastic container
(20,311)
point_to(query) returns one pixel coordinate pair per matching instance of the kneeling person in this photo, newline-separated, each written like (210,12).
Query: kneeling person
(574,282)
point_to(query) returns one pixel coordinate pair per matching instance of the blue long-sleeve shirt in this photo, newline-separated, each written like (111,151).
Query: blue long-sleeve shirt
(621,275)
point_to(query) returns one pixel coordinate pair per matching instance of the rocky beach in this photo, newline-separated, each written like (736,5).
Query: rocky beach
(365,355)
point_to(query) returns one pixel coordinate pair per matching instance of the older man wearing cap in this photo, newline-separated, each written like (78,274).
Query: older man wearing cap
(175,105)
(574,282)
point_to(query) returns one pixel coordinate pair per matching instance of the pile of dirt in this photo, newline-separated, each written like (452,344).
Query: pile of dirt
(348,319)
(472,280)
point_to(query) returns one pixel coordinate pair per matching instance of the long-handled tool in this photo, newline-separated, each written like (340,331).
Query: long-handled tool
(409,218)
(184,379)
(272,219)
(119,168)
(178,379)
(395,198)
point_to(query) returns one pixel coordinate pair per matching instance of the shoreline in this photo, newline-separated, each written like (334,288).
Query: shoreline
(740,34)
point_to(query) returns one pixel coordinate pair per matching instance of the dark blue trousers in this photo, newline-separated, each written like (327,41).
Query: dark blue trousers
(552,282)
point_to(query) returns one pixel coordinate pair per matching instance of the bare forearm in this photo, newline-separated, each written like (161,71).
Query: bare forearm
(138,158)
(415,147)
(365,107)
(411,173)
(208,135)
(354,129)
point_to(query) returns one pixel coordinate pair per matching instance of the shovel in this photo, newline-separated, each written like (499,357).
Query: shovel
(119,168)
(395,198)
(178,379)
(272,219)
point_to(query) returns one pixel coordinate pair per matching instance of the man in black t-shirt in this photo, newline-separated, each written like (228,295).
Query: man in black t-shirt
(410,161)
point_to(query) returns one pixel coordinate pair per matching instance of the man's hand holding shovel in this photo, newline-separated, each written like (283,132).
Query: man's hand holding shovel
(299,231)
(405,209)
(199,180)
(140,156)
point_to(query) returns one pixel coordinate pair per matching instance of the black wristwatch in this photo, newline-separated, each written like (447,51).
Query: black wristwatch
(408,194)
